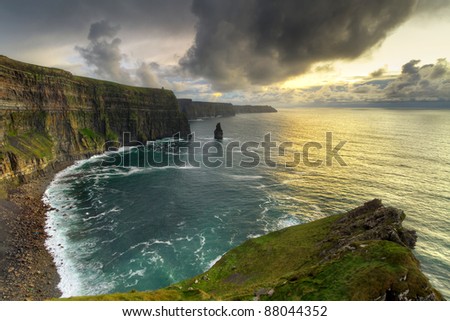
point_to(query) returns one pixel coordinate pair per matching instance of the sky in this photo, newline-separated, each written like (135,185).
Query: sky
(278,52)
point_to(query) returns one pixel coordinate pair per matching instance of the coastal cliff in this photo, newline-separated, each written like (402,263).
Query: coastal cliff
(363,254)
(48,115)
(201,109)
(250,109)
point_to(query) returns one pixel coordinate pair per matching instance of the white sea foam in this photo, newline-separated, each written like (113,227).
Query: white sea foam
(57,244)
(263,186)
(140,273)
(186,238)
(87,219)
(133,284)
(211,264)
(231,241)
(202,243)
(287,221)
(253,235)
(58,225)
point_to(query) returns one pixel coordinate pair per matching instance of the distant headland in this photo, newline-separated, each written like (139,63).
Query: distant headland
(201,109)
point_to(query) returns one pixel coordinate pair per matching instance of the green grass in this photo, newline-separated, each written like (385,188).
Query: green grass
(261,262)
(159,295)
(110,85)
(3,192)
(89,134)
(33,70)
(91,139)
(30,145)
(362,274)
(112,136)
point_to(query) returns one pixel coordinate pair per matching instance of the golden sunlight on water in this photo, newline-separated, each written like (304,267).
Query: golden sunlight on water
(400,156)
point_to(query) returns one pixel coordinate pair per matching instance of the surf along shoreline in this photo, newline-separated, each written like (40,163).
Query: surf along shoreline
(27,268)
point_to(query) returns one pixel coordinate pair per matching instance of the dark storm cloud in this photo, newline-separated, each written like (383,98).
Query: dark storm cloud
(265,41)
(439,70)
(237,42)
(378,73)
(102,29)
(431,6)
(324,68)
(27,18)
(410,68)
(427,82)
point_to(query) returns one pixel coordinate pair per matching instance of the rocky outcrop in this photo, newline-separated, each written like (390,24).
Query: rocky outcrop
(371,221)
(250,109)
(218,132)
(49,115)
(199,109)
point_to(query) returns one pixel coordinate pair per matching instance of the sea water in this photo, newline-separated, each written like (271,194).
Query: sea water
(119,223)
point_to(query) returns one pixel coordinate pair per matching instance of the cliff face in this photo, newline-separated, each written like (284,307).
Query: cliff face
(364,254)
(249,109)
(200,109)
(49,115)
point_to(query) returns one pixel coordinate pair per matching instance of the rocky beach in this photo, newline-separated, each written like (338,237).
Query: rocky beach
(27,270)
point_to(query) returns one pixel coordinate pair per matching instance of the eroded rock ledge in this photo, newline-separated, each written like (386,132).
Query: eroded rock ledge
(372,221)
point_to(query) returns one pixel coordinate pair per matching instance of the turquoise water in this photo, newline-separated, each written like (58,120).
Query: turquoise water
(118,228)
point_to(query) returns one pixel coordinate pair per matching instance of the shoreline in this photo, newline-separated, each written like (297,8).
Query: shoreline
(27,269)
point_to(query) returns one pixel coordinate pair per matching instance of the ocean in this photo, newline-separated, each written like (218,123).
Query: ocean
(144,218)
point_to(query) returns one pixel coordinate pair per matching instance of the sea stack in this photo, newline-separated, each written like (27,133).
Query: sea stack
(218,132)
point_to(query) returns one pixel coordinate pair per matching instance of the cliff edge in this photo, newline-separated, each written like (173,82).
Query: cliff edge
(251,109)
(201,109)
(364,254)
(48,115)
